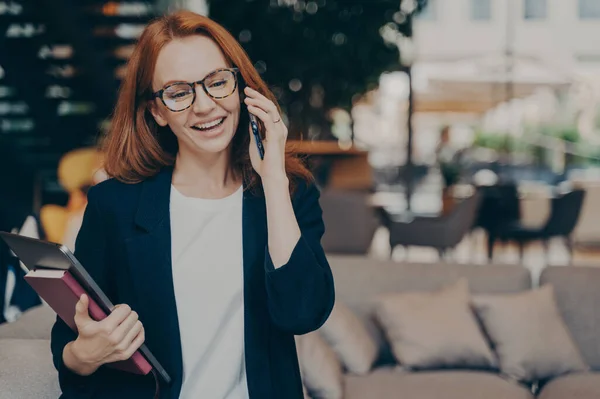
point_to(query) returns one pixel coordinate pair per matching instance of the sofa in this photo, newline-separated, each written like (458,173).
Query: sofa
(26,369)
(576,292)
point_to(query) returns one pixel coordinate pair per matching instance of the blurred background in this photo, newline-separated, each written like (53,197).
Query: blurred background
(440,132)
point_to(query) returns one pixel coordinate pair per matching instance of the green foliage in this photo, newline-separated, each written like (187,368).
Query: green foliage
(569,134)
(566,133)
(333,47)
(501,142)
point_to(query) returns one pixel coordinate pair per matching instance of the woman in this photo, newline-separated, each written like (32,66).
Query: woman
(213,253)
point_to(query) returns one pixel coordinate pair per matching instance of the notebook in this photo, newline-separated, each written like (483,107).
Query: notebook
(66,276)
(61,291)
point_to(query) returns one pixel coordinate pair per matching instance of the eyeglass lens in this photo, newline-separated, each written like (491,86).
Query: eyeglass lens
(181,95)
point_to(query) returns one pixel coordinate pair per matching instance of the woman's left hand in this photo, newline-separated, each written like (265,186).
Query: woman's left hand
(272,167)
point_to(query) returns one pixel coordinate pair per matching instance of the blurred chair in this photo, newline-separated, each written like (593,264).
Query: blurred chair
(76,171)
(54,219)
(350,222)
(499,206)
(564,214)
(587,230)
(442,233)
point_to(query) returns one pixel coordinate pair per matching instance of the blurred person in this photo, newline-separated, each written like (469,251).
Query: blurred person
(444,152)
(217,252)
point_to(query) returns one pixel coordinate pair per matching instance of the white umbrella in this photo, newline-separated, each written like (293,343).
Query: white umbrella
(482,82)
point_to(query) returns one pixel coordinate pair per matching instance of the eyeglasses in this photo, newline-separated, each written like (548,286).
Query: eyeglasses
(179,96)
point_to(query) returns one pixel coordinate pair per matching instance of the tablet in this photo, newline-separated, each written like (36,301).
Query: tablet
(38,254)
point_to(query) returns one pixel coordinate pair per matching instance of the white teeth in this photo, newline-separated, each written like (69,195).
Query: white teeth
(212,124)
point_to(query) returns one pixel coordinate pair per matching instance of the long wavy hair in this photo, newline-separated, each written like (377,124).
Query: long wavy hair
(136,147)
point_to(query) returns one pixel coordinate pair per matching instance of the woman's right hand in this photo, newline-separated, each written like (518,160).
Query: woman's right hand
(115,338)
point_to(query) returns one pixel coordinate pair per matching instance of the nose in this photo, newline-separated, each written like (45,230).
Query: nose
(203,103)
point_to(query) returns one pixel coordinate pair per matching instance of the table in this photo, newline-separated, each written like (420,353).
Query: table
(334,166)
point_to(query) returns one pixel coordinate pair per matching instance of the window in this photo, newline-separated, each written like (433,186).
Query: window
(589,9)
(481,10)
(429,12)
(535,9)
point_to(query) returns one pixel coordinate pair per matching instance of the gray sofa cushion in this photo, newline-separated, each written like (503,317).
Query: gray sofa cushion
(579,386)
(434,330)
(26,370)
(393,383)
(577,295)
(530,338)
(358,280)
(36,323)
(350,340)
(320,369)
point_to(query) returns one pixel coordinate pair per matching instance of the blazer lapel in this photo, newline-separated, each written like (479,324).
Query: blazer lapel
(254,232)
(256,327)
(149,256)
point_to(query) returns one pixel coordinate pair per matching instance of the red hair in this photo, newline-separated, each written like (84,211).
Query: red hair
(136,147)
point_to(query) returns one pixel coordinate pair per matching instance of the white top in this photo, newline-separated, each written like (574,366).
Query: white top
(208,279)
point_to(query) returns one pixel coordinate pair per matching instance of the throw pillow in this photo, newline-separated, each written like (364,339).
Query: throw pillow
(432,330)
(350,340)
(529,335)
(305,392)
(320,369)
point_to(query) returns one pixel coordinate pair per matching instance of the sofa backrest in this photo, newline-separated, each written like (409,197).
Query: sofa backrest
(577,292)
(35,323)
(359,279)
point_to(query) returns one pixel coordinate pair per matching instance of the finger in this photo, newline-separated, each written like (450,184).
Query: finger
(135,345)
(263,103)
(118,315)
(121,331)
(250,92)
(262,115)
(82,315)
(131,335)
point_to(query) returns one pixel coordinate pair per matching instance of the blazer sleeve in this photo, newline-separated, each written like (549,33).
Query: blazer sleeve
(301,293)
(90,250)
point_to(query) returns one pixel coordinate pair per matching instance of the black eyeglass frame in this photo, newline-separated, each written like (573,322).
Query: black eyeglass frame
(193,85)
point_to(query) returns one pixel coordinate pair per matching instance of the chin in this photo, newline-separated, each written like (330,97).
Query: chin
(214,145)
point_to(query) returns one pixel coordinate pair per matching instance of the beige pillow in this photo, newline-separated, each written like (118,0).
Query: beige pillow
(431,330)
(350,340)
(320,369)
(529,335)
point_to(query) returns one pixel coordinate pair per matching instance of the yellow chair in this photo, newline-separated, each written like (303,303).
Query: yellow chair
(76,170)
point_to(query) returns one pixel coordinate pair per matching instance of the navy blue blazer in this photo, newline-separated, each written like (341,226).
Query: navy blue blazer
(125,244)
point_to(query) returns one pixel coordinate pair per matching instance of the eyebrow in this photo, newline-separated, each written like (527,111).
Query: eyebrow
(185,81)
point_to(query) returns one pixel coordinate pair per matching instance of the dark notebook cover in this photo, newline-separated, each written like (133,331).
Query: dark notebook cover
(62,292)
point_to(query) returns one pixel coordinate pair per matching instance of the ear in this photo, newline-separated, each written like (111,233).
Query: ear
(157,113)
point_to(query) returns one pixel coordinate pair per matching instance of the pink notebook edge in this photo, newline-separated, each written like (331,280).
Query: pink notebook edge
(139,361)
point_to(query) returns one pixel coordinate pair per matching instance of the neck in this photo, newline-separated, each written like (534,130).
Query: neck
(208,173)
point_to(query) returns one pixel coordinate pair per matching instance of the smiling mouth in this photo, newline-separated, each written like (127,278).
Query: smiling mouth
(209,126)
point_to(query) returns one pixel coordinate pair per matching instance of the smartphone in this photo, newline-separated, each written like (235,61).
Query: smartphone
(259,143)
